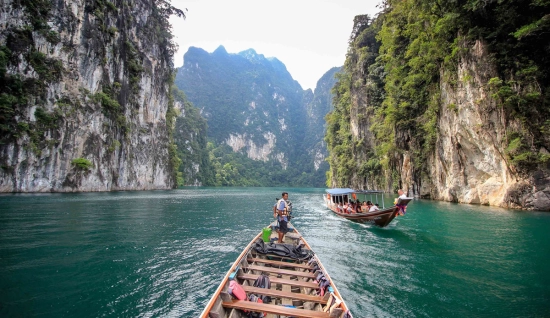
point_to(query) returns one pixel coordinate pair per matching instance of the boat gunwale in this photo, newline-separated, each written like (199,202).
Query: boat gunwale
(364,215)
(212,300)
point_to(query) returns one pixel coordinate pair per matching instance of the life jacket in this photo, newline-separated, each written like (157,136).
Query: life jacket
(285,210)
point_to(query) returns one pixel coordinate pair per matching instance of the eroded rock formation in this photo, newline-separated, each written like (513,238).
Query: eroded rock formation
(85,96)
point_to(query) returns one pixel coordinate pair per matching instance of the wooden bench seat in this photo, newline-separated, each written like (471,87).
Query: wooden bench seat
(275,309)
(275,280)
(280,271)
(279,263)
(282,294)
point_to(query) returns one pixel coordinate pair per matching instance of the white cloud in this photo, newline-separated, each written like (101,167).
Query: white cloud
(309,37)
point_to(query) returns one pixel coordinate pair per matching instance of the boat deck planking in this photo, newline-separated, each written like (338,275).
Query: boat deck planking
(292,284)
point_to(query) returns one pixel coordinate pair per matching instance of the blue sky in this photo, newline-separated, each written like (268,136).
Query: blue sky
(309,37)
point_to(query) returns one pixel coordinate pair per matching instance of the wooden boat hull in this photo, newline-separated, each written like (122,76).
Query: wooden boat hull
(293,284)
(381,217)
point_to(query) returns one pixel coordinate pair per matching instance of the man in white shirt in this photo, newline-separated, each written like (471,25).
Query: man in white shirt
(401,194)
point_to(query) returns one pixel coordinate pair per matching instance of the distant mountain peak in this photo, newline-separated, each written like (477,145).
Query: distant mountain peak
(252,56)
(220,50)
(255,109)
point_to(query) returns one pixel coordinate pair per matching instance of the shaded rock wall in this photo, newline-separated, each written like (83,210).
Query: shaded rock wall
(106,103)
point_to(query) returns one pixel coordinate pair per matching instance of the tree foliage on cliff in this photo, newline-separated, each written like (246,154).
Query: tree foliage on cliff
(420,41)
(342,147)
(36,103)
(190,136)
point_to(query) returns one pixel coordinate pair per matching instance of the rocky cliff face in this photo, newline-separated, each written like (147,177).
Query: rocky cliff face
(466,125)
(84,96)
(190,137)
(318,105)
(470,163)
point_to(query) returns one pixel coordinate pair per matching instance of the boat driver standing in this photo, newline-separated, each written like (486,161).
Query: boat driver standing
(282,212)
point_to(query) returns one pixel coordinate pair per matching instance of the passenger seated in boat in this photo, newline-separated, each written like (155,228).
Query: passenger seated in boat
(374,207)
(364,207)
(340,208)
(350,208)
(369,205)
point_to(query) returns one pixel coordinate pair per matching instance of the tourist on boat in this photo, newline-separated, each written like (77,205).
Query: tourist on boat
(402,195)
(275,208)
(374,207)
(289,209)
(340,207)
(348,208)
(282,212)
(364,207)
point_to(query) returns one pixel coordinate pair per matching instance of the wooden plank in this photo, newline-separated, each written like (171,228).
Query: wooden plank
(275,280)
(287,290)
(281,271)
(279,293)
(279,263)
(275,309)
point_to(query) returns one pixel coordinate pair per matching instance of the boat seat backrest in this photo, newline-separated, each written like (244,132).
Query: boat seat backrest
(404,201)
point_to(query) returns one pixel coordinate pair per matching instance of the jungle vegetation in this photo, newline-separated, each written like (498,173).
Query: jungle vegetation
(34,119)
(399,58)
(255,98)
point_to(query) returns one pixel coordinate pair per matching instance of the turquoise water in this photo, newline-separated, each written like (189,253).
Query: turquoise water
(163,253)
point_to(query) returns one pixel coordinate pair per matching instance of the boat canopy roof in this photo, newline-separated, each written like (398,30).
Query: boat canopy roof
(337,191)
(340,191)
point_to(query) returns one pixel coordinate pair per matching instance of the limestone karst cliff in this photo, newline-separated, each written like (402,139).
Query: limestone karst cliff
(450,104)
(84,95)
(264,129)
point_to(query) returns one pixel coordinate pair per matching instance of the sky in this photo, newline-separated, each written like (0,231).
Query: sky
(309,37)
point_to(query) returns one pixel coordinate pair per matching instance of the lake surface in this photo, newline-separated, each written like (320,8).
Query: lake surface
(163,253)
